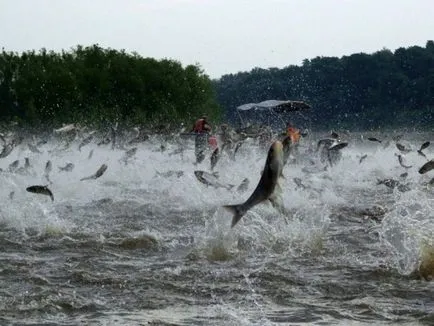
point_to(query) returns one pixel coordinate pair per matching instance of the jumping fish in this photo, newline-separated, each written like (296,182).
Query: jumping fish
(210,179)
(34,149)
(401,162)
(27,163)
(86,141)
(48,169)
(402,148)
(243,186)
(67,168)
(422,147)
(362,158)
(333,152)
(13,166)
(267,186)
(374,139)
(65,129)
(98,173)
(7,149)
(43,190)
(214,158)
(169,174)
(428,166)
(299,183)
(129,154)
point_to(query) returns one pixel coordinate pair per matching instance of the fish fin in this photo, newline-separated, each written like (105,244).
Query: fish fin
(276,197)
(216,174)
(277,190)
(237,211)
(421,153)
(277,203)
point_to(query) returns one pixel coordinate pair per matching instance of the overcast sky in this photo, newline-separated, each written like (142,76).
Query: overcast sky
(223,36)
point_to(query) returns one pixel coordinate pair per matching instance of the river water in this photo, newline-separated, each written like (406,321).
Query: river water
(135,247)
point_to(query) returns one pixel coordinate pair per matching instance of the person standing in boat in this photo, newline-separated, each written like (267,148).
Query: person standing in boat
(201,125)
(202,129)
(293,133)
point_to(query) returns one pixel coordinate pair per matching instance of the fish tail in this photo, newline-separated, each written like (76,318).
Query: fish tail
(238,212)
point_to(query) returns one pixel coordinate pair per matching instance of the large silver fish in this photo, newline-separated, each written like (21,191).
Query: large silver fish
(362,158)
(299,183)
(402,148)
(27,163)
(428,166)
(113,130)
(48,167)
(34,149)
(86,141)
(392,184)
(422,147)
(7,149)
(244,185)
(402,163)
(333,152)
(374,139)
(237,147)
(267,186)
(128,154)
(214,158)
(337,146)
(65,129)
(42,190)
(210,179)
(169,174)
(98,173)
(13,166)
(67,168)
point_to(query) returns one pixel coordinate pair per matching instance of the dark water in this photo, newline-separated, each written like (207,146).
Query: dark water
(137,248)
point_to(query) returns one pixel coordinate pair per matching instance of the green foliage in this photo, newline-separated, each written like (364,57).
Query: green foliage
(93,85)
(361,91)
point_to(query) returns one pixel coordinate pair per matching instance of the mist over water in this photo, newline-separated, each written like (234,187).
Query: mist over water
(136,246)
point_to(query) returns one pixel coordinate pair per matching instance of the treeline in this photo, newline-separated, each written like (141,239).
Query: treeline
(93,85)
(361,91)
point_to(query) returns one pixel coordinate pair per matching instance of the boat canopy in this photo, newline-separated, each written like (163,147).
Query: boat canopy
(274,113)
(275,105)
